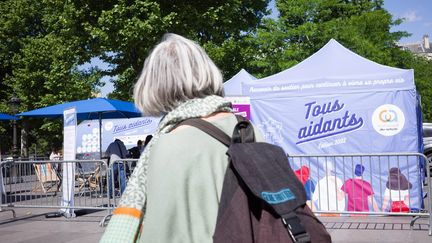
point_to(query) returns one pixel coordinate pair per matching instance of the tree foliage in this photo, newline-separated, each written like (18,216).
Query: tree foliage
(41,48)
(423,79)
(304,26)
(129,29)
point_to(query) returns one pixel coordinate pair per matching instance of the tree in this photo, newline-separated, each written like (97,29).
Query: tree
(423,79)
(128,30)
(39,57)
(304,26)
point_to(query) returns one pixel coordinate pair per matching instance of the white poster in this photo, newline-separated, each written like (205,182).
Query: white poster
(2,188)
(69,140)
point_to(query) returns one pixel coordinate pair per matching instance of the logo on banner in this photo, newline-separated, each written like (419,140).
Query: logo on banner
(69,119)
(108,126)
(272,130)
(388,120)
(322,126)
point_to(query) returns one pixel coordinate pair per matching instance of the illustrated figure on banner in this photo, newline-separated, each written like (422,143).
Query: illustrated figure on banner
(360,192)
(272,131)
(327,195)
(303,174)
(397,192)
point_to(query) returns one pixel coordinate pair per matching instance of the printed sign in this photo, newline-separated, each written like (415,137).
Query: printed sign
(68,169)
(361,122)
(240,105)
(388,120)
(128,130)
(320,86)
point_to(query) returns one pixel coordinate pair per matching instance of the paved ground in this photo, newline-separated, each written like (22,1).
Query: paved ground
(377,229)
(30,225)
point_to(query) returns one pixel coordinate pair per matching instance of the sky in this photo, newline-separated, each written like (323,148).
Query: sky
(417,15)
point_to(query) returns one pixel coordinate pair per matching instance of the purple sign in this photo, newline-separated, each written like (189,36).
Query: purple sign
(240,105)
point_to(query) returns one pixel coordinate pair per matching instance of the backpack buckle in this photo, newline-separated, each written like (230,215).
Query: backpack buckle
(295,229)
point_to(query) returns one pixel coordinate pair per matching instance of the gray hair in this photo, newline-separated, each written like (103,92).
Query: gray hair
(177,70)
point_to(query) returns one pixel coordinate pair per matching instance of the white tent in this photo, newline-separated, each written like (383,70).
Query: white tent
(337,102)
(336,74)
(233,86)
(335,62)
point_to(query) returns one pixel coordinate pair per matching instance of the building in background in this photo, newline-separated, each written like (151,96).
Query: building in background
(422,48)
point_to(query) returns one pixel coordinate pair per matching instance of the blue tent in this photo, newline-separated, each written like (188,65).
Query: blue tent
(337,102)
(89,109)
(4,116)
(97,108)
(233,86)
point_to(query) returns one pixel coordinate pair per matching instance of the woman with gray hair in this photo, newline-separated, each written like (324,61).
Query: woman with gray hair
(174,192)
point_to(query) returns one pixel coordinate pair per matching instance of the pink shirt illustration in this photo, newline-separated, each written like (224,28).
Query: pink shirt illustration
(358,192)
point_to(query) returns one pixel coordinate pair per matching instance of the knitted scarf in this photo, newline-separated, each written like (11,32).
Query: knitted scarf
(135,193)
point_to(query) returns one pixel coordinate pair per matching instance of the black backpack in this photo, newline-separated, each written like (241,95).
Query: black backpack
(134,153)
(262,200)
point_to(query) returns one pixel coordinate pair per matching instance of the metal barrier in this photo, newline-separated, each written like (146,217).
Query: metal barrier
(42,184)
(118,174)
(366,184)
(37,184)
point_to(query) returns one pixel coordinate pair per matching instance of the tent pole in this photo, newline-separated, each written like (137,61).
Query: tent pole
(100,135)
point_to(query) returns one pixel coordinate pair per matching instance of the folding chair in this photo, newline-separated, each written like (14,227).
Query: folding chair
(47,177)
(88,177)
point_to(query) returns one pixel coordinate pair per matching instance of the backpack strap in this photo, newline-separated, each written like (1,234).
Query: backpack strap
(243,132)
(208,128)
(213,130)
(295,229)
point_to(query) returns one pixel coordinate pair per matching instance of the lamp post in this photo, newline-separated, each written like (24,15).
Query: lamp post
(14,103)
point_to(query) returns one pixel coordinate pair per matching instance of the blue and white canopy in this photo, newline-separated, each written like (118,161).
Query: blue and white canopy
(333,68)
(233,86)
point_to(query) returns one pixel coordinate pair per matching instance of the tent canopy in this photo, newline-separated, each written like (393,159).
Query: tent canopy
(337,102)
(4,116)
(97,108)
(233,86)
(89,109)
(333,68)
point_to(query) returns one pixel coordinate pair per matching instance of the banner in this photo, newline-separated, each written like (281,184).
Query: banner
(240,105)
(362,122)
(68,169)
(128,130)
(383,82)
(2,187)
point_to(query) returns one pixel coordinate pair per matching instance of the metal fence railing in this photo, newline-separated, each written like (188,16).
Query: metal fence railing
(366,184)
(337,184)
(63,185)
(118,174)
